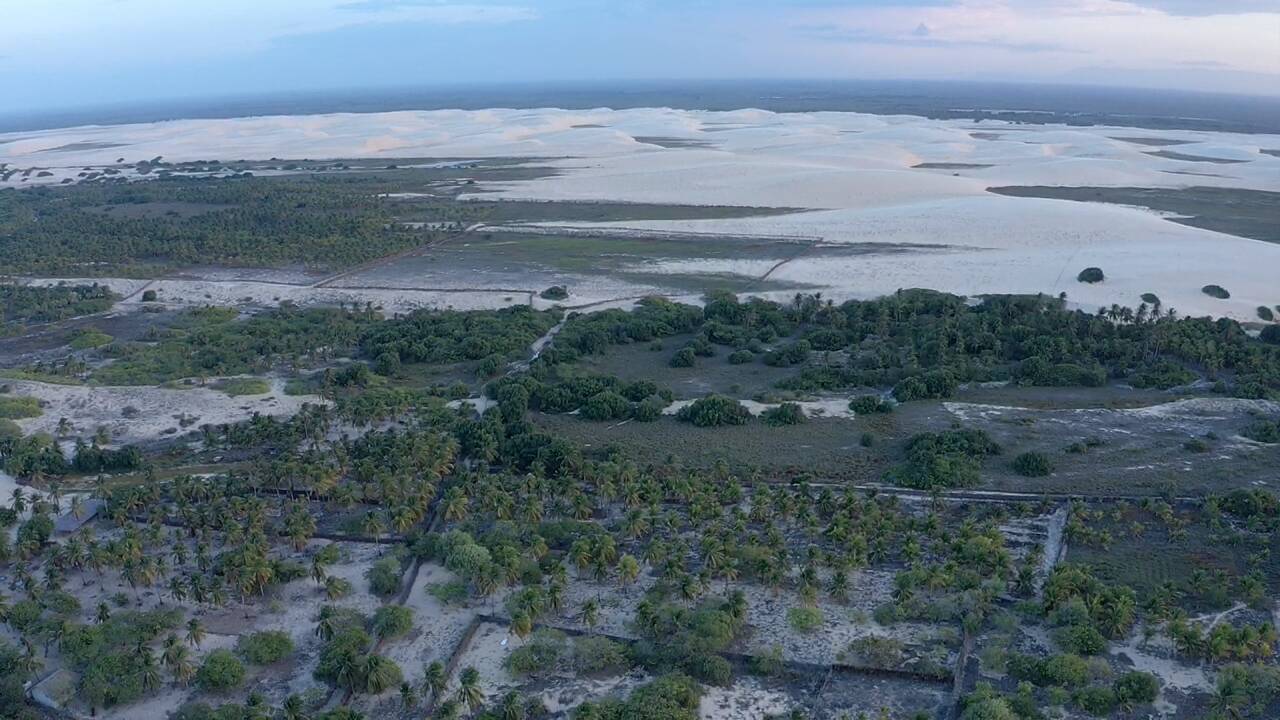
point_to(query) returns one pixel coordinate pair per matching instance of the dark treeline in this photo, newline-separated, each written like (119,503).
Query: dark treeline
(326,221)
(31,304)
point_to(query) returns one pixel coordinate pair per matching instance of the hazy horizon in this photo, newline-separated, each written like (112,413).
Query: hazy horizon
(87,53)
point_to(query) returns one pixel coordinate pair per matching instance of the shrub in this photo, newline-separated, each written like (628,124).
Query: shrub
(877,651)
(1265,313)
(1091,275)
(19,407)
(741,357)
(595,654)
(869,404)
(1150,298)
(1032,464)
(539,655)
(649,409)
(384,577)
(1081,640)
(1263,431)
(264,648)
(805,619)
(785,414)
(683,358)
(714,411)
(220,671)
(148,296)
(392,621)
(1270,335)
(928,386)
(1136,688)
(1215,291)
(606,405)
(555,292)
(1099,701)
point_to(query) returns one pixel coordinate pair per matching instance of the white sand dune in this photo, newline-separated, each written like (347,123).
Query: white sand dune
(855,172)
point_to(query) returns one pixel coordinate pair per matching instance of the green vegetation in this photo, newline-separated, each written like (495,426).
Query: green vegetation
(1216,291)
(714,411)
(89,339)
(41,304)
(1032,464)
(1265,313)
(18,407)
(327,221)
(784,414)
(555,292)
(950,459)
(264,648)
(236,387)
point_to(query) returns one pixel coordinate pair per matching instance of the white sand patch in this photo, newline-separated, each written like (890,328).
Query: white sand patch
(161,411)
(743,700)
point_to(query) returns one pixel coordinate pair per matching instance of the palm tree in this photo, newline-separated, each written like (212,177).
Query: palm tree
(433,679)
(590,614)
(511,707)
(195,633)
(293,708)
(628,569)
(379,674)
(521,624)
(469,692)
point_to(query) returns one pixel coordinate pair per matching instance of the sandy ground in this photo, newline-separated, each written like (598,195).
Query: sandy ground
(161,410)
(855,171)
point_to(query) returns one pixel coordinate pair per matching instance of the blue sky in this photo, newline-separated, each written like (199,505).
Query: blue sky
(63,53)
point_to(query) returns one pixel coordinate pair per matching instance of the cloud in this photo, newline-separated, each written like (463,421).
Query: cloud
(1201,8)
(923,37)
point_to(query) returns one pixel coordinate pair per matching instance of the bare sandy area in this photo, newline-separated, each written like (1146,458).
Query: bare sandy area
(160,411)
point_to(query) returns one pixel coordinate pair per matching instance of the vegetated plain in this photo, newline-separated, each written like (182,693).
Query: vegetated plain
(920,505)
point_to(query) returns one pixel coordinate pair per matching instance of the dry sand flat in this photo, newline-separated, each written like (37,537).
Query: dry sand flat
(160,411)
(855,171)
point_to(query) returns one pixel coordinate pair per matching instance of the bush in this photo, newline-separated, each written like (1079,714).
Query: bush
(1263,431)
(1270,335)
(785,414)
(1081,640)
(595,654)
(649,409)
(264,648)
(932,385)
(1136,688)
(392,621)
(714,411)
(1265,313)
(1099,701)
(1091,275)
(539,655)
(19,407)
(220,671)
(1215,291)
(555,292)
(607,405)
(1032,464)
(384,577)
(148,296)
(805,619)
(869,404)
(741,357)
(1150,298)
(684,358)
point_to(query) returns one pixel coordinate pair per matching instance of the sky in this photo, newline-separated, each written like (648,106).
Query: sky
(69,53)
